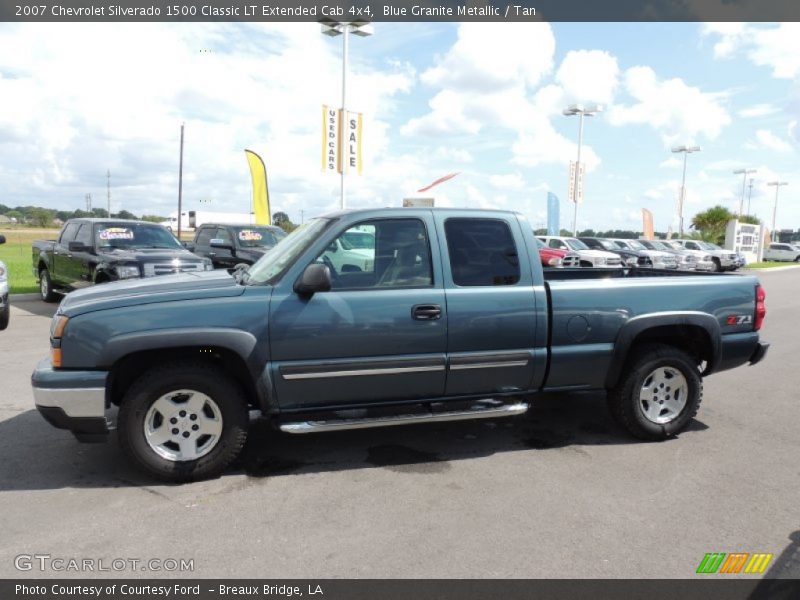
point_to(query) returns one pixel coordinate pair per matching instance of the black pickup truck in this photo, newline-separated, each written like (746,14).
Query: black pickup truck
(228,245)
(90,251)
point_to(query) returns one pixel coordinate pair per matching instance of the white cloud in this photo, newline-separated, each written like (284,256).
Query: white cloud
(451,154)
(677,111)
(71,112)
(774,46)
(488,57)
(767,139)
(588,76)
(511,181)
(671,163)
(758,110)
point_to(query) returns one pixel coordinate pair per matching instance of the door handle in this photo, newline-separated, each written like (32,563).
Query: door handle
(426,312)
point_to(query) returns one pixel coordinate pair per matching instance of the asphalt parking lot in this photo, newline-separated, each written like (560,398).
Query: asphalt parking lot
(561,492)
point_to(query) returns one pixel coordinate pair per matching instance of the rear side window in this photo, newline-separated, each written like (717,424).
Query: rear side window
(482,252)
(84,234)
(205,235)
(68,235)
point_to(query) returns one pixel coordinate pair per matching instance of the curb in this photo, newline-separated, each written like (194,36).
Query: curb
(767,269)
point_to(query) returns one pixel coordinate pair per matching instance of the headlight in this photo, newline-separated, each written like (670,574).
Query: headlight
(208,265)
(554,262)
(368,265)
(128,271)
(689,258)
(3,272)
(707,259)
(601,261)
(632,261)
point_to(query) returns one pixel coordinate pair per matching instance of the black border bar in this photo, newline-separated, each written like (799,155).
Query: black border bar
(731,588)
(398,10)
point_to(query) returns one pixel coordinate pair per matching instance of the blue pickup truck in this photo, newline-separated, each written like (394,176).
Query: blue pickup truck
(450,317)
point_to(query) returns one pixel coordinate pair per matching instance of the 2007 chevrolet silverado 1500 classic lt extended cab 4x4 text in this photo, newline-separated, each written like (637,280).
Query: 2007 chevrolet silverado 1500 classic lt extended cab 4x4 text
(452,318)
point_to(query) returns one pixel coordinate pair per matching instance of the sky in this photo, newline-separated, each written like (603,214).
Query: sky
(481,99)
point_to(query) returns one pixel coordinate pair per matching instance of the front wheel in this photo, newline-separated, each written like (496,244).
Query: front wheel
(5,315)
(717,266)
(658,394)
(183,421)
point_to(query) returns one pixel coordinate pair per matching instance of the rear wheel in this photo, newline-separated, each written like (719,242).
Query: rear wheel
(183,421)
(46,287)
(659,392)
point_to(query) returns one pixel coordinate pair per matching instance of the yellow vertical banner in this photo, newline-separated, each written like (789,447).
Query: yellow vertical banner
(258,172)
(647,224)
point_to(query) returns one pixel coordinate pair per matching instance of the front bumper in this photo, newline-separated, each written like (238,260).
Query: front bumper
(72,400)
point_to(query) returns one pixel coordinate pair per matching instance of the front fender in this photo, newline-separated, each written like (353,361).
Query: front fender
(240,342)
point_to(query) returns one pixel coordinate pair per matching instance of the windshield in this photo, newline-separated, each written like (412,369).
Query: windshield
(134,235)
(258,237)
(707,246)
(357,239)
(608,244)
(636,245)
(281,256)
(576,244)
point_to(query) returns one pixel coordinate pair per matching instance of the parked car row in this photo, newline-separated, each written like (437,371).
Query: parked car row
(93,251)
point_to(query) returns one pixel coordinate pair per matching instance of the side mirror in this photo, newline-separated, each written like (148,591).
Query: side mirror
(2,239)
(220,243)
(189,246)
(332,247)
(78,247)
(315,278)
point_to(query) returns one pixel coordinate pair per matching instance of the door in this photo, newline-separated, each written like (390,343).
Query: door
(62,257)
(378,335)
(79,265)
(491,307)
(224,257)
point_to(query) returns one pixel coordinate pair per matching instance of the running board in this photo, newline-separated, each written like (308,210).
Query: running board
(508,410)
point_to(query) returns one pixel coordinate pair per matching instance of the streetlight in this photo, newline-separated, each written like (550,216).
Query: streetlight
(333,28)
(686,151)
(744,173)
(749,195)
(777,185)
(588,111)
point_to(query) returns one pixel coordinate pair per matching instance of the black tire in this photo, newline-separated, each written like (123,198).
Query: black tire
(46,287)
(160,381)
(624,401)
(5,315)
(717,265)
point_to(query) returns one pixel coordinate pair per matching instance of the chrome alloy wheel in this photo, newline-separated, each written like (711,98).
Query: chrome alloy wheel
(183,425)
(663,395)
(44,288)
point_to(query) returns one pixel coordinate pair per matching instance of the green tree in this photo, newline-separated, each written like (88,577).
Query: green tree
(712,223)
(41,217)
(752,219)
(124,214)
(153,218)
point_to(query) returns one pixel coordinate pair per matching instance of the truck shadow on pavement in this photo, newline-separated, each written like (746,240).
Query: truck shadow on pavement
(36,456)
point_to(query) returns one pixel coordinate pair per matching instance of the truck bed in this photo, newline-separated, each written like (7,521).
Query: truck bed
(568,274)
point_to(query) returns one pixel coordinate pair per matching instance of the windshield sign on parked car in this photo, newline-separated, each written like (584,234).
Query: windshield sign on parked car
(257,237)
(134,235)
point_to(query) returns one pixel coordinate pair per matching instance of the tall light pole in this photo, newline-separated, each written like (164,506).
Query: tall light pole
(581,111)
(749,195)
(686,151)
(744,173)
(777,185)
(333,28)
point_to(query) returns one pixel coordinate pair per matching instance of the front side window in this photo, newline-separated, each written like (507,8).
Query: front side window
(68,235)
(482,252)
(389,253)
(205,235)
